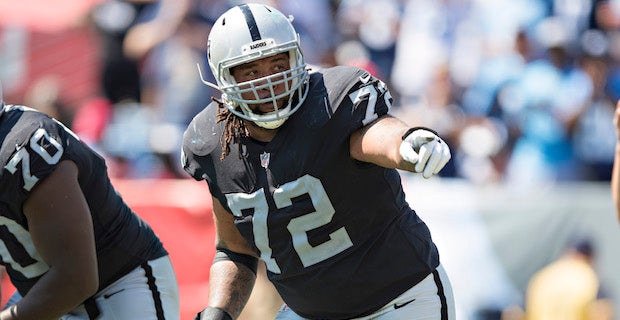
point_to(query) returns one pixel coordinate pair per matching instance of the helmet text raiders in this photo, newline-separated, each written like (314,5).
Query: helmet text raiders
(250,32)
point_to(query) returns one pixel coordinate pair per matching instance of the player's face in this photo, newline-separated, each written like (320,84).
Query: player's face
(259,69)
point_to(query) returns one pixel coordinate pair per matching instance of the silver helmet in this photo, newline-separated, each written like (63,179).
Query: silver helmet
(246,33)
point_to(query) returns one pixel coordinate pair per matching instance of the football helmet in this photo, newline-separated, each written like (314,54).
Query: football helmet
(246,33)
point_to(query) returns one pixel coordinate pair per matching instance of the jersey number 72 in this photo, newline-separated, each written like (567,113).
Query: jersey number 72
(298,227)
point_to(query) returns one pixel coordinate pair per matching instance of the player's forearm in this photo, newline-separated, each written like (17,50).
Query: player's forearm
(379,143)
(53,296)
(230,286)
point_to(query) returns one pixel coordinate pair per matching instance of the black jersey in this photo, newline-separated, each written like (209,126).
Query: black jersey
(337,235)
(32,145)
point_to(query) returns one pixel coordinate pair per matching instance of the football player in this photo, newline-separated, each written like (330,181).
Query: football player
(70,245)
(302,167)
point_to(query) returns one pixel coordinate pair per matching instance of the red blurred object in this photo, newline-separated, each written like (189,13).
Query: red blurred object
(180,213)
(91,119)
(59,43)
(44,15)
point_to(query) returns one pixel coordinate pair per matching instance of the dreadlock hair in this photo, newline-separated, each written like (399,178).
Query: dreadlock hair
(234,129)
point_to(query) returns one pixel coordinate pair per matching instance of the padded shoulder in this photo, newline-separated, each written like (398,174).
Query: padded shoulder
(202,135)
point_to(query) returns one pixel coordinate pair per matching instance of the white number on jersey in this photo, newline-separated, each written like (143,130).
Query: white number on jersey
(39,138)
(371,93)
(339,240)
(23,258)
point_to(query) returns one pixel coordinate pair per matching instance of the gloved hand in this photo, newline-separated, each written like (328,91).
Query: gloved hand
(426,150)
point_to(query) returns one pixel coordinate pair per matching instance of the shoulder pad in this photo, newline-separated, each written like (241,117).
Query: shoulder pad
(202,135)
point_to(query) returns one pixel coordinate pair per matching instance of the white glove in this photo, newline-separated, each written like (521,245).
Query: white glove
(426,150)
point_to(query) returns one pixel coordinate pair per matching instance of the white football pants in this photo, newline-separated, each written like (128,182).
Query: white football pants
(149,292)
(430,299)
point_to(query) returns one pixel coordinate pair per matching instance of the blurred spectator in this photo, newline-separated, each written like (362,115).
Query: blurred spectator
(375,25)
(419,48)
(113,19)
(568,288)
(605,15)
(615,178)
(545,100)
(132,32)
(536,80)
(45,95)
(155,22)
(126,140)
(314,21)
(593,135)
(172,86)
(353,53)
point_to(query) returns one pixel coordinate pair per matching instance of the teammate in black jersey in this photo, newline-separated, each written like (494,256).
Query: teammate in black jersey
(70,245)
(302,168)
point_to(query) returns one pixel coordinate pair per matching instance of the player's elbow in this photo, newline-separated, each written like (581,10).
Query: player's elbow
(72,286)
(83,284)
(91,285)
(91,281)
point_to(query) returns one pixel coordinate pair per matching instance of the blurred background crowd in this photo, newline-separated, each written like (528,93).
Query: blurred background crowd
(524,92)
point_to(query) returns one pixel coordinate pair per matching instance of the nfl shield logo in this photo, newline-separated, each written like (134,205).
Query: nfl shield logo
(264,159)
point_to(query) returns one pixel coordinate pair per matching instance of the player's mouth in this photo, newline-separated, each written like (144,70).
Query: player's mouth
(268,107)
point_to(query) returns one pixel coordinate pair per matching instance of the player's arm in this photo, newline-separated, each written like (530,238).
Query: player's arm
(391,143)
(144,36)
(2,273)
(233,271)
(61,228)
(615,175)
